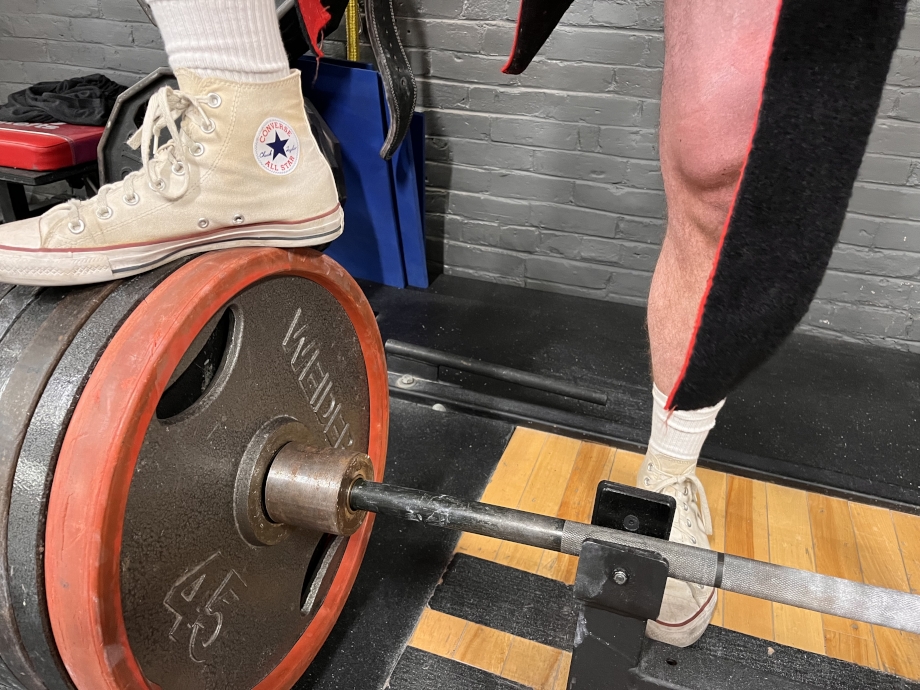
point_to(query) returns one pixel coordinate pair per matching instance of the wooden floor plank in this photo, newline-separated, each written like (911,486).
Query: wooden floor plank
(882,565)
(483,648)
(877,544)
(626,467)
(898,652)
(907,527)
(506,486)
(715,484)
(592,465)
(791,545)
(836,555)
(532,664)
(746,535)
(553,475)
(562,675)
(543,495)
(437,633)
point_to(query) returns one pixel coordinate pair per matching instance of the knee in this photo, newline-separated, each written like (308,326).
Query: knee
(705,169)
(705,136)
(702,157)
(713,78)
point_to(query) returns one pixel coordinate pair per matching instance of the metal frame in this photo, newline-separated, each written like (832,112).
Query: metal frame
(621,588)
(13,202)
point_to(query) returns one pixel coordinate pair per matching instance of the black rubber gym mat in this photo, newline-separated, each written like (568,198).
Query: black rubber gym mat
(470,580)
(430,450)
(499,597)
(418,670)
(727,660)
(514,601)
(825,414)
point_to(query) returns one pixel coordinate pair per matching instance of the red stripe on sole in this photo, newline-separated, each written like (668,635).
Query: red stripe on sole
(193,236)
(691,618)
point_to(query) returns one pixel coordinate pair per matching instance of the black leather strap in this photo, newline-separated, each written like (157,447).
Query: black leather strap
(398,82)
(536,21)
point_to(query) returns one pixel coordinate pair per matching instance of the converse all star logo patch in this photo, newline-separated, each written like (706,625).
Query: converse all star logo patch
(276,147)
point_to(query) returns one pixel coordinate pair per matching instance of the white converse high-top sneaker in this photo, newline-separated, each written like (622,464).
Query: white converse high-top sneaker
(241,169)
(687,608)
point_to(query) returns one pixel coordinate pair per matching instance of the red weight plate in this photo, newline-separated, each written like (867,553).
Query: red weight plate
(97,461)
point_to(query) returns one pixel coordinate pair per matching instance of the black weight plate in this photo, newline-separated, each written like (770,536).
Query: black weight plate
(21,314)
(35,469)
(14,303)
(37,340)
(203,607)
(116,158)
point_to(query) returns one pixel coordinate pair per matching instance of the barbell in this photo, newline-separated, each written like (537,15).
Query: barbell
(327,491)
(190,461)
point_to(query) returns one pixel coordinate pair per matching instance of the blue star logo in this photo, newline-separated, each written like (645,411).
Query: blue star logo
(278,146)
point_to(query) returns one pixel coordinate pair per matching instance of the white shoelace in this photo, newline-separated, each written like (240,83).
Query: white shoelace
(165,107)
(690,495)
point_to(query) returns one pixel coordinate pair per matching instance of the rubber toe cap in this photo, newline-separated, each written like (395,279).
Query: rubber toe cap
(21,234)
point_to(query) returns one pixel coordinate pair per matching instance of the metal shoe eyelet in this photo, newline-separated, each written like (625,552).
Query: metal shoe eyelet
(647,482)
(78,228)
(208,127)
(238,219)
(650,467)
(178,168)
(686,507)
(689,524)
(214,100)
(686,493)
(693,539)
(160,185)
(197,149)
(203,223)
(131,200)
(104,213)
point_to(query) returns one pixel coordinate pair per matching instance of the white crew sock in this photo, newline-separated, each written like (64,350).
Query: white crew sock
(237,40)
(679,434)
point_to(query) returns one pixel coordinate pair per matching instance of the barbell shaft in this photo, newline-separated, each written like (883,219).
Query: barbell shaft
(436,510)
(800,588)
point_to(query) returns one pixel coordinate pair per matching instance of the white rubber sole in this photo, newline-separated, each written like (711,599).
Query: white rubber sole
(62,267)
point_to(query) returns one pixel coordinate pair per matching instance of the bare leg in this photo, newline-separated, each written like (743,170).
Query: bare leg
(715,51)
(713,73)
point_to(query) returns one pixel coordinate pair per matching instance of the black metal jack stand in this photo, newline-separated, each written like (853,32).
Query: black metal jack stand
(621,588)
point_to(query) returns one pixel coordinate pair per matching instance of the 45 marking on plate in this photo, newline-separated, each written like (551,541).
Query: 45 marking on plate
(199,599)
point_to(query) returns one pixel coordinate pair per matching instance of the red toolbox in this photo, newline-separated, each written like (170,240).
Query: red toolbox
(47,145)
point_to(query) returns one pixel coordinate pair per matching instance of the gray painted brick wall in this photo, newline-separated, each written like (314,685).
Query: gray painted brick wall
(43,40)
(550,179)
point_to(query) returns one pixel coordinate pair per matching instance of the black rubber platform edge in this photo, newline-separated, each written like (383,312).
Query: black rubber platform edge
(418,670)
(519,603)
(433,451)
(724,659)
(837,417)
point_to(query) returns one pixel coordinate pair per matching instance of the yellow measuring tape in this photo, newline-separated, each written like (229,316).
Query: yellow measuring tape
(351,30)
